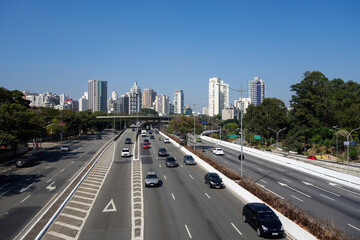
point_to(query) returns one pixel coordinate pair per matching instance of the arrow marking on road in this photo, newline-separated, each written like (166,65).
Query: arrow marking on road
(50,188)
(310,184)
(285,185)
(26,188)
(110,207)
(338,186)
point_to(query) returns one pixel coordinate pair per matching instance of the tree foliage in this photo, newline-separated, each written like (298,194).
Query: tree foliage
(184,125)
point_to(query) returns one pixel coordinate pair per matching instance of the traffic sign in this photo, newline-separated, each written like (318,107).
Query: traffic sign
(347,143)
(233,136)
(257,137)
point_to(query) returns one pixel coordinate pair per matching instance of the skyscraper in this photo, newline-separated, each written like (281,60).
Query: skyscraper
(97,91)
(179,102)
(257,92)
(162,104)
(148,98)
(218,96)
(135,99)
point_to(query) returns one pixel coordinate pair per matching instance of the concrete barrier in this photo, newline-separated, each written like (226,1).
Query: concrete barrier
(292,230)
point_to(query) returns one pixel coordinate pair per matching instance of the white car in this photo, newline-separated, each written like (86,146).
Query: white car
(65,148)
(218,151)
(166,140)
(125,152)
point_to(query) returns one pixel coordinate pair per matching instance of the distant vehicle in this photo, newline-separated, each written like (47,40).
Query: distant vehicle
(65,148)
(198,139)
(162,152)
(156,131)
(26,160)
(189,160)
(170,162)
(263,219)
(98,137)
(147,141)
(218,151)
(145,145)
(166,140)
(151,180)
(213,180)
(312,157)
(150,131)
(125,152)
(128,141)
(143,133)
(133,129)
(152,137)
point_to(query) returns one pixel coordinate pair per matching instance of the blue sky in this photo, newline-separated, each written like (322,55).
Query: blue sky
(58,46)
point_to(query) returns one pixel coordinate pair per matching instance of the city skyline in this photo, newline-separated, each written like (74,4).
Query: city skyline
(178,45)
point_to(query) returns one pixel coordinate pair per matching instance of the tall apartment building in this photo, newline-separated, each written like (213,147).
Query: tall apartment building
(162,104)
(97,90)
(123,106)
(179,102)
(114,96)
(218,96)
(257,92)
(83,102)
(135,99)
(148,98)
(242,104)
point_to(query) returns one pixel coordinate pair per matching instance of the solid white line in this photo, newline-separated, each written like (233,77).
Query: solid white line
(297,198)
(261,169)
(59,235)
(187,229)
(263,181)
(25,199)
(191,177)
(207,195)
(71,216)
(159,165)
(4,185)
(66,225)
(354,227)
(48,180)
(76,209)
(327,197)
(173,196)
(181,165)
(4,193)
(62,170)
(286,180)
(236,229)
(165,177)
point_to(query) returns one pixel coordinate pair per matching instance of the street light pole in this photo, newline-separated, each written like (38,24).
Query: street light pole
(347,139)
(337,149)
(277,134)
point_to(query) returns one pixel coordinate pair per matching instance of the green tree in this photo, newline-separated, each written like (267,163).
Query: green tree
(146,111)
(184,125)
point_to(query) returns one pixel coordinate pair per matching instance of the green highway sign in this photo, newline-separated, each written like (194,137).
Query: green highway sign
(257,137)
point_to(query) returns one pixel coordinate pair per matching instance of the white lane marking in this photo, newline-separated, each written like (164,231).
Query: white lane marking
(279,169)
(310,184)
(226,162)
(286,180)
(165,177)
(236,229)
(25,199)
(62,170)
(297,198)
(187,229)
(285,185)
(4,185)
(207,195)
(263,181)
(354,227)
(159,165)
(4,193)
(270,190)
(72,162)
(307,179)
(327,197)
(181,165)
(173,196)
(191,177)
(261,169)
(48,180)
(28,179)
(59,235)
(110,207)
(338,186)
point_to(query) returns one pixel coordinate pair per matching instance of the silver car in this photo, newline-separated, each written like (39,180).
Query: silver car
(189,160)
(151,180)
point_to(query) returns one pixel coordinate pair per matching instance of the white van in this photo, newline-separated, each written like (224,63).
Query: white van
(143,133)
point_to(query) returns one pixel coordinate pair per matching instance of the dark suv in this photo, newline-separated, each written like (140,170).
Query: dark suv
(26,160)
(263,220)
(214,180)
(127,140)
(170,162)
(162,152)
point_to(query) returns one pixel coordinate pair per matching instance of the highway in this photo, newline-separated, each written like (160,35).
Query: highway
(183,207)
(25,191)
(318,197)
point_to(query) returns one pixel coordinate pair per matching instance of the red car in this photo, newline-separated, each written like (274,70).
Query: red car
(312,157)
(145,145)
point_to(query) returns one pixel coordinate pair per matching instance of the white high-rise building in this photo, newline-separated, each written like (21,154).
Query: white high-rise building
(218,96)
(242,104)
(135,99)
(97,95)
(179,102)
(257,92)
(114,96)
(63,98)
(162,104)
(205,110)
(83,104)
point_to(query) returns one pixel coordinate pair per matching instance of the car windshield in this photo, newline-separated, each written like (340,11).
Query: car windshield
(151,176)
(189,158)
(125,150)
(214,176)
(170,159)
(219,149)
(267,215)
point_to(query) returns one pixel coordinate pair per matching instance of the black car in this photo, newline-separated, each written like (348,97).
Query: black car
(26,160)
(146,141)
(263,220)
(128,141)
(162,152)
(170,162)
(152,137)
(98,137)
(189,160)
(214,180)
